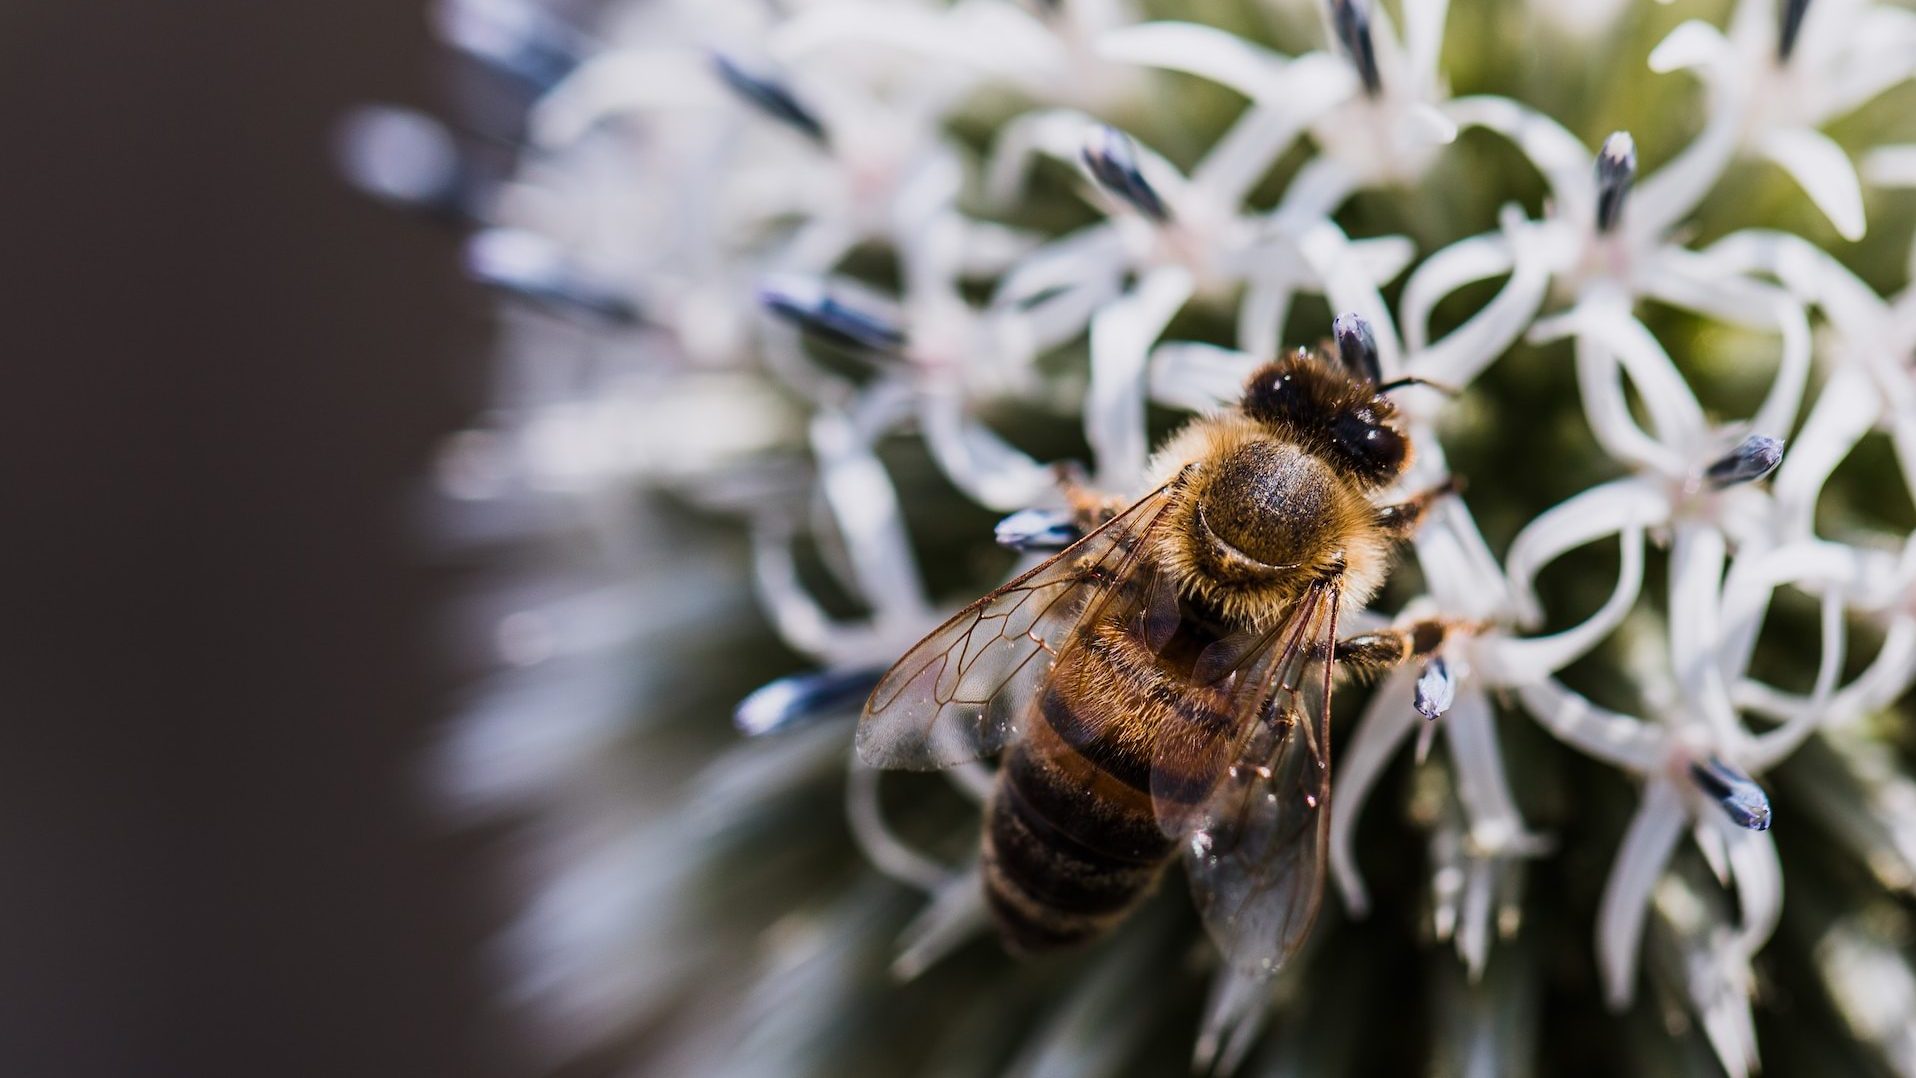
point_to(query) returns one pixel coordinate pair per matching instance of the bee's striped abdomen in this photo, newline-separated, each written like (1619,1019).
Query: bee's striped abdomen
(1071,841)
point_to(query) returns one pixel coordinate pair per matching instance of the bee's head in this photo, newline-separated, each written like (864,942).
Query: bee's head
(1336,410)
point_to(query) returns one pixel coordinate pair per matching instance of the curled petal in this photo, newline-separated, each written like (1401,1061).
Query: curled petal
(1616,739)
(1692,44)
(1891,166)
(1559,155)
(1522,658)
(865,508)
(1824,171)
(882,846)
(1605,510)
(1199,377)
(1770,749)
(956,914)
(989,469)
(1844,413)
(1205,51)
(1464,353)
(1054,133)
(1647,843)
(1388,720)
(1121,338)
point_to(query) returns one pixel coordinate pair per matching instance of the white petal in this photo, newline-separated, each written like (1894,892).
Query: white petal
(1603,510)
(1246,152)
(865,509)
(1328,252)
(1704,283)
(623,81)
(1691,44)
(1205,51)
(1121,339)
(1891,166)
(876,840)
(1616,739)
(1470,733)
(1318,189)
(1759,882)
(1846,410)
(1607,408)
(1673,408)
(1382,258)
(1424,43)
(989,469)
(1430,125)
(1567,166)
(1388,719)
(1697,553)
(1522,659)
(1054,133)
(1824,171)
(1668,195)
(1465,262)
(1466,351)
(799,618)
(1199,377)
(955,915)
(1772,748)
(1267,303)
(1646,847)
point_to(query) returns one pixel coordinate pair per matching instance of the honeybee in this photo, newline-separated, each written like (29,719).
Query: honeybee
(1164,683)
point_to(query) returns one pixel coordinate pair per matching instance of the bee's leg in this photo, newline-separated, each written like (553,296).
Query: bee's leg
(1400,521)
(1090,507)
(1367,655)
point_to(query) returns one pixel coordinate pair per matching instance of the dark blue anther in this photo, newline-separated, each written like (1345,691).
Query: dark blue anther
(1357,347)
(1436,689)
(1038,529)
(808,305)
(533,268)
(768,95)
(520,40)
(1741,799)
(798,701)
(1757,457)
(1351,21)
(1113,160)
(1789,25)
(1616,171)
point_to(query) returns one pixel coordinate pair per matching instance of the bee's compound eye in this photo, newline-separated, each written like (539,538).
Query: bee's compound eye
(1370,448)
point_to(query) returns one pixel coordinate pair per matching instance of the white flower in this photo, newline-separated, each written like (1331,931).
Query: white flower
(1787,69)
(1372,110)
(693,167)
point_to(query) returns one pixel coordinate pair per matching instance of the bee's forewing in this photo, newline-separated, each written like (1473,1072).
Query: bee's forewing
(961,693)
(1254,838)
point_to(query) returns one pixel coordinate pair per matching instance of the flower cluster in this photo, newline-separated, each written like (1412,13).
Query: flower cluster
(804,296)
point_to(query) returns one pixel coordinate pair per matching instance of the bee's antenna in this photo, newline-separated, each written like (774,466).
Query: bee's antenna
(1399,383)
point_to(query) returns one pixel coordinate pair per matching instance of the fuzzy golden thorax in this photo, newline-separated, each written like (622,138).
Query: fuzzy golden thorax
(1266,504)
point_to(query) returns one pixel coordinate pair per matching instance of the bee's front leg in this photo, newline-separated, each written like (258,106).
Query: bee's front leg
(1367,655)
(1090,507)
(1400,521)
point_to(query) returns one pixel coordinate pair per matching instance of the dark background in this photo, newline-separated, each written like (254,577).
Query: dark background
(221,656)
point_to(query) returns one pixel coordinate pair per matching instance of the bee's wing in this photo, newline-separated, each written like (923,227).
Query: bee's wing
(960,693)
(1252,805)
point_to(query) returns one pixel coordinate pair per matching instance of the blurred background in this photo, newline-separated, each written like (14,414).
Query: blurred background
(225,373)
